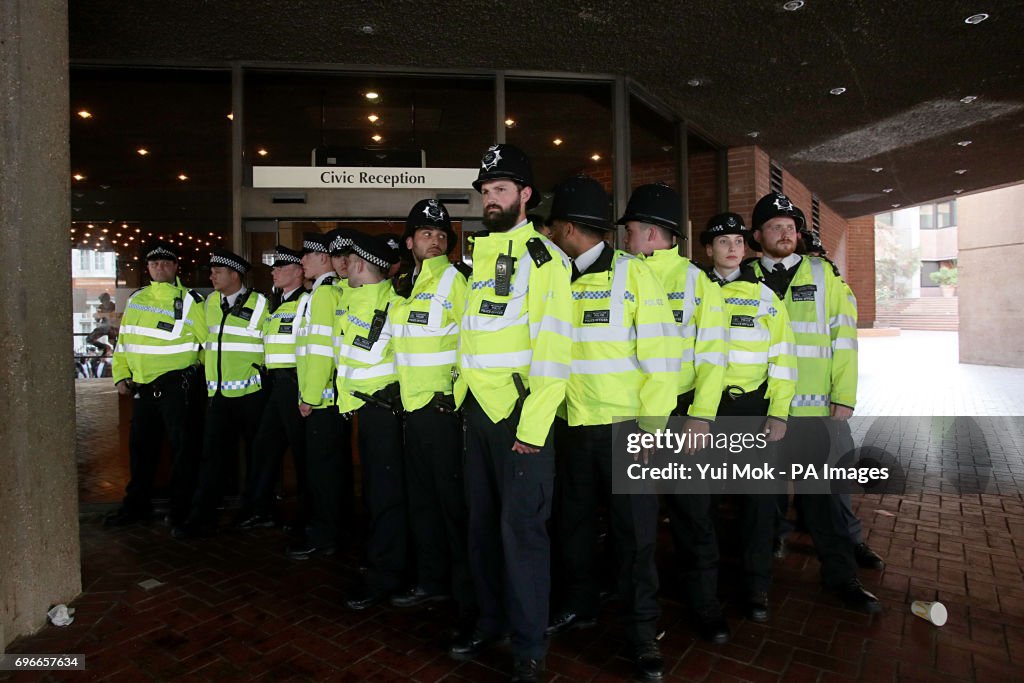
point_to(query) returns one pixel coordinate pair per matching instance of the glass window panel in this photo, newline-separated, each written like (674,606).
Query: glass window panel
(927,217)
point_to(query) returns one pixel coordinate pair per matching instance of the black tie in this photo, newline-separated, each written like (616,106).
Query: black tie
(224,305)
(575,272)
(779,268)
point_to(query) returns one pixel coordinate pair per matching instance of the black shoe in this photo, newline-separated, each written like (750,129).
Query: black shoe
(125,517)
(254,521)
(527,670)
(471,644)
(713,627)
(567,621)
(416,596)
(779,548)
(757,607)
(365,598)
(191,529)
(303,550)
(649,664)
(854,596)
(867,558)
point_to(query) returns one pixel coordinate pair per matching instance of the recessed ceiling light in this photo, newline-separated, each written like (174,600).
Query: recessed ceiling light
(105,231)
(262,152)
(376,138)
(960,171)
(142,151)
(968,99)
(964,143)
(837,91)
(372,95)
(182,176)
(510,122)
(976,18)
(877,169)
(373,118)
(957,191)
(896,206)
(596,157)
(887,190)
(78,176)
(556,142)
(753,134)
(368,30)
(695,82)
(85,114)
(793,5)
(231,117)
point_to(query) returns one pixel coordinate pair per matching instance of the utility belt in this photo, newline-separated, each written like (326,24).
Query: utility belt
(387,398)
(169,381)
(442,403)
(736,394)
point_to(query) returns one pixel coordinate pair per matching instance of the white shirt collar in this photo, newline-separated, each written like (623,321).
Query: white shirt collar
(769,263)
(232,298)
(728,278)
(589,257)
(288,293)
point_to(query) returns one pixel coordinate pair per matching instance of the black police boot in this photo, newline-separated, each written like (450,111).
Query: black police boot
(855,597)
(365,597)
(469,645)
(649,664)
(712,626)
(417,596)
(525,670)
(757,606)
(867,558)
(567,621)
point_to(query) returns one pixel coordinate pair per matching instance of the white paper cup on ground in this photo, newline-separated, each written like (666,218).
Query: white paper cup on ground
(933,612)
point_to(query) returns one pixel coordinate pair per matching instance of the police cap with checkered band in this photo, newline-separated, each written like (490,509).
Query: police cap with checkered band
(724,224)
(380,250)
(229,259)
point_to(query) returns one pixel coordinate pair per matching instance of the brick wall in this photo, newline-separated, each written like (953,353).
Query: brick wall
(860,266)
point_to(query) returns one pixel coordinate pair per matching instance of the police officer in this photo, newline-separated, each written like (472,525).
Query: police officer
(426,334)
(328,451)
(236,317)
(156,362)
(653,226)
(839,432)
(625,354)
(281,425)
(760,381)
(368,388)
(824,322)
(516,346)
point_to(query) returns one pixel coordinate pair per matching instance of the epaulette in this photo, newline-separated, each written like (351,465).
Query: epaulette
(538,252)
(402,284)
(835,268)
(749,262)
(196,296)
(463,268)
(329,280)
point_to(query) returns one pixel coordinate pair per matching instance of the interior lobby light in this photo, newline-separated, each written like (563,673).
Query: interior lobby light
(78,176)
(142,151)
(262,152)
(596,157)
(556,142)
(231,116)
(85,114)
(372,95)
(376,138)
(509,122)
(373,118)
(182,176)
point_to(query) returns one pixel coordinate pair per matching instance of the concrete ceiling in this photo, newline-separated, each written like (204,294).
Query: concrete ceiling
(731,69)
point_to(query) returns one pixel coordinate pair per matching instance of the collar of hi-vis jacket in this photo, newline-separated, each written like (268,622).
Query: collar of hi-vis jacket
(497,242)
(431,270)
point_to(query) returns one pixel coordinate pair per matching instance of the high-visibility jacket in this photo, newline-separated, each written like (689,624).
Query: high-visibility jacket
(281,330)
(366,358)
(823,315)
(697,306)
(314,342)
(527,332)
(626,349)
(162,330)
(426,332)
(760,343)
(234,350)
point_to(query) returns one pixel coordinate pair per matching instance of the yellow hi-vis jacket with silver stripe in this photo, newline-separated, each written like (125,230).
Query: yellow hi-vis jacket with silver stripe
(234,350)
(528,332)
(153,340)
(365,364)
(823,314)
(760,342)
(314,342)
(426,332)
(626,349)
(280,333)
(697,306)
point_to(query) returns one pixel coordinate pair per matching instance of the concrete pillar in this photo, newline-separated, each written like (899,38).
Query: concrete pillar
(39,549)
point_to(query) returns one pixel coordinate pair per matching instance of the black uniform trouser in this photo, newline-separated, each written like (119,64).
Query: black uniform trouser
(280,427)
(328,476)
(818,511)
(227,419)
(584,481)
(436,491)
(380,452)
(509,496)
(165,407)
